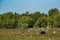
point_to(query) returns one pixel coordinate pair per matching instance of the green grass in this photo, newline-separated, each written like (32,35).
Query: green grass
(27,34)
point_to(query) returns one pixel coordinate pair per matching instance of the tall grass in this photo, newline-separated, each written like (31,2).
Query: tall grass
(28,34)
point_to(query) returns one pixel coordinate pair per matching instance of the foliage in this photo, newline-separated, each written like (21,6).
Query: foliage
(25,21)
(29,20)
(53,11)
(41,22)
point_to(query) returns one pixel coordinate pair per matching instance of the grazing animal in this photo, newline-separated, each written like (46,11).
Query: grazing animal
(42,31)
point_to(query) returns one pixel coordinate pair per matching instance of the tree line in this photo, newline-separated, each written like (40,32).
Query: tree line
(30,20)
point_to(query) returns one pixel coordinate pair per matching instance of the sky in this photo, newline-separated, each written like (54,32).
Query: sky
(21,6)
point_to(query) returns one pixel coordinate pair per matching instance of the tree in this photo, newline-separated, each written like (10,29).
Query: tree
(57,20)
(29,20)
(41,22)
(25,22)
(53,11)
(1,23)
(50,21)
(35,16)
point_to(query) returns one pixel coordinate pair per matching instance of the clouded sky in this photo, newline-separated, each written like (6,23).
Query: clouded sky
(21,6)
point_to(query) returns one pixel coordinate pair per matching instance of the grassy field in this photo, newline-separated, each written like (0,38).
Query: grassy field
(28,34)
